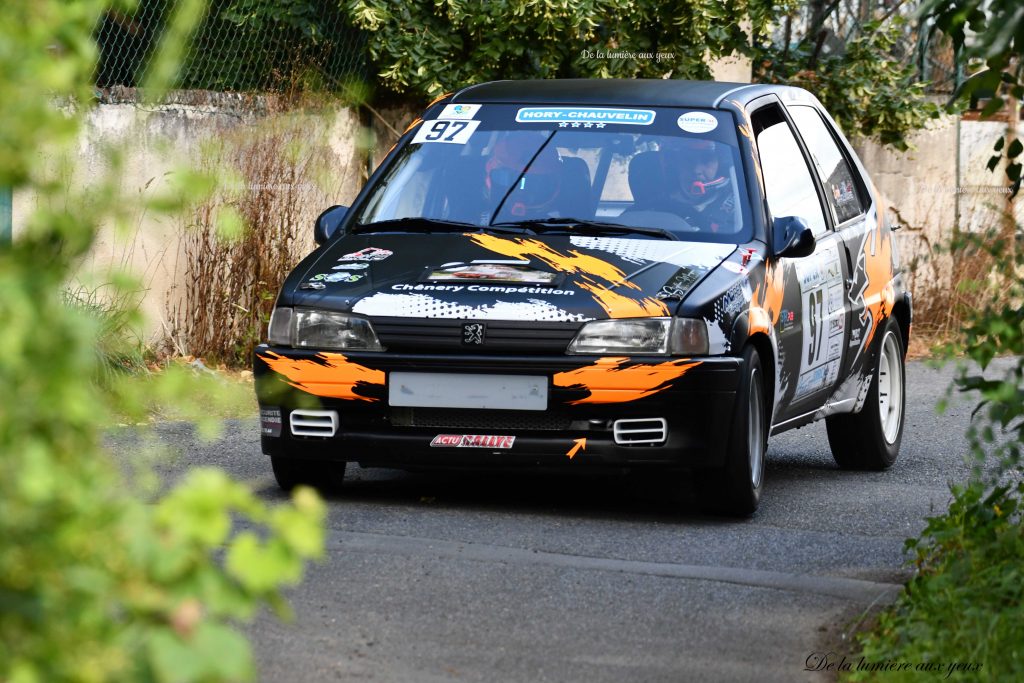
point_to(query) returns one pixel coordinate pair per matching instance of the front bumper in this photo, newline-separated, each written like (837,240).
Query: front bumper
(586,396)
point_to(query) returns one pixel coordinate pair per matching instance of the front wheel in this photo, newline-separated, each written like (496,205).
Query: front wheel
(736,488)
(870,439)
(322,475)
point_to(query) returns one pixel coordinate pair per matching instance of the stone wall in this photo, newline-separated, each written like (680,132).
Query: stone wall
(932,188)
(155,142)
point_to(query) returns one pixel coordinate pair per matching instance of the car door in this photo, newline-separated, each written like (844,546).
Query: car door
(814,318)
(853,215)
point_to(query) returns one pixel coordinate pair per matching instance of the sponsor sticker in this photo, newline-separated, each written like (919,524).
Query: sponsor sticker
(350,266)
(446,132)
(736,299)
(459,111)
(344,277)
(734,267)
(312,285)
(855,337)
(697,122)
(368,254)
(787,319)
(270,421)
(492,272)
(472,441)
(576,116)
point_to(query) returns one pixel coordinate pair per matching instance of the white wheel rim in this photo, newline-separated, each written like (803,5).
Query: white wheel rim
(755,430)
(890,389)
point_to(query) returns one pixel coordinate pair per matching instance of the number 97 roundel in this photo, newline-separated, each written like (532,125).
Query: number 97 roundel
(450,132)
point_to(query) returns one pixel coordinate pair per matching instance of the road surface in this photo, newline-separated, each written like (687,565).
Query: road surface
(482,577)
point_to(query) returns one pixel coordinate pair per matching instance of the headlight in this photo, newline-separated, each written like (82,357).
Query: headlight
(655,336)
(312,328)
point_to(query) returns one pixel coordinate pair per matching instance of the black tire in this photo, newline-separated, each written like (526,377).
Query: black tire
(870,439)
(322,475)
(736,488)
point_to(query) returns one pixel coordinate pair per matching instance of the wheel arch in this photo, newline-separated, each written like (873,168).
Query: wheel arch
(766,352)
(902,312)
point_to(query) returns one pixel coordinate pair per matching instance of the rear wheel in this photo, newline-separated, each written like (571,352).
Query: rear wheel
(322,475)
(870,439)
(736,488)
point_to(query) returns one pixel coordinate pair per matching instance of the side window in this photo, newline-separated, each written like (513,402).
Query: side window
(789,187)
(841,188)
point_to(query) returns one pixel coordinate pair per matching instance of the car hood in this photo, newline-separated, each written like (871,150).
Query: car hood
(480,276)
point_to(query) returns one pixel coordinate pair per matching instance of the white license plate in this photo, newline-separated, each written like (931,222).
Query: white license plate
(455,390)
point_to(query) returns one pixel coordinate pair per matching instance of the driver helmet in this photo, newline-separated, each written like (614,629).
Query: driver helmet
(703,170)
(536,189)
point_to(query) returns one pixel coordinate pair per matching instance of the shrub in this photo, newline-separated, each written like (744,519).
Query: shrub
(100,581)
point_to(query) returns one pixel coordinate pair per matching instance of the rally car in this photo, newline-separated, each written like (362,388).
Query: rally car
(595,273)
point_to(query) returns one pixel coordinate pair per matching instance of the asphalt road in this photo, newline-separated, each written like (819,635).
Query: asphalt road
(477,577)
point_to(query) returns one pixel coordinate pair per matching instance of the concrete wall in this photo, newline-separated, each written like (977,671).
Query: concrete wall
(932,190)
(156,141)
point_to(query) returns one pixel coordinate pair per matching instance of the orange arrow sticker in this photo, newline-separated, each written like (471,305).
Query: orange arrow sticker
(580,443)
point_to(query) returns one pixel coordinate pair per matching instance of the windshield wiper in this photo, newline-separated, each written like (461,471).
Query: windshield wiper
(579,226)
(420,224)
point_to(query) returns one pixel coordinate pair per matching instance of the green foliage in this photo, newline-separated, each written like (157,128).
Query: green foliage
(997,45)
(119,345)
(966,602)
(428,47)
(869,91)
(996,328)
(100,581)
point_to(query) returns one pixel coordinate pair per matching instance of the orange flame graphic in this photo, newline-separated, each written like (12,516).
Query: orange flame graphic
(879,295)
(335,377)
(766,303)
(610,380)
(590,269)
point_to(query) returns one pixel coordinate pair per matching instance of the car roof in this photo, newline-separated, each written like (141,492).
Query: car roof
(648,92)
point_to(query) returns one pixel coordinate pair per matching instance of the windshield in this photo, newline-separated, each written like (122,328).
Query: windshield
(662,169)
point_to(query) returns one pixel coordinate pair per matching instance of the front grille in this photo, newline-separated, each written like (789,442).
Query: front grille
(519,420)
(441,335)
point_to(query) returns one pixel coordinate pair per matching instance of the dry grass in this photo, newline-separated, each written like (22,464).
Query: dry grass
(948,281)
(230,282)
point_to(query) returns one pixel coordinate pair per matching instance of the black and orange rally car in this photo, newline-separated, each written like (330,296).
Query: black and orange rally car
(588,273)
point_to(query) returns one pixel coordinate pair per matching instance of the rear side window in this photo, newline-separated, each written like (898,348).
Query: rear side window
(789,187)
(841,188)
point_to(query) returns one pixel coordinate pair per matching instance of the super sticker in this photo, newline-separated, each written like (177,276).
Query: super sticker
(697,122)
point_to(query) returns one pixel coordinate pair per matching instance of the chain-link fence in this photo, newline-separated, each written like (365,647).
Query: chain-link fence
(241,46)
